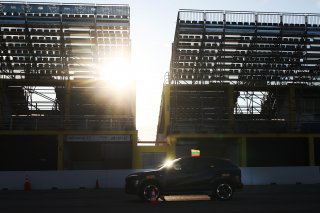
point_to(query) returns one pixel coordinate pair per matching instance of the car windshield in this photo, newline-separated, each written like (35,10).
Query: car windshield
(169,163)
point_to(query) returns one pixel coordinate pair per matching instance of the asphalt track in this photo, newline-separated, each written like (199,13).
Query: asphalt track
(268,198)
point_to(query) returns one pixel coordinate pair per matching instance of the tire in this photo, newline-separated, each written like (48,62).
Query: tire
(223,191)
(149,192)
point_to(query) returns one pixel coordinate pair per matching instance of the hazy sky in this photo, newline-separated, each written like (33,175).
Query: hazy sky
(152,32)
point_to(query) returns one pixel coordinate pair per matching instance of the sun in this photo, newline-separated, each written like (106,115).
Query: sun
(117,72)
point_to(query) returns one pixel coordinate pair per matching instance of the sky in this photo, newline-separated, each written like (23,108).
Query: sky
(152,25)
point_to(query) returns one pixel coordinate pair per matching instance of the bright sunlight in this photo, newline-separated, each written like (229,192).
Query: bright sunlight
(117,72)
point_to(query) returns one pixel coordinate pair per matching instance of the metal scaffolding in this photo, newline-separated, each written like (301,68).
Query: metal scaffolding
(246,48)
(234,71)
(50,57)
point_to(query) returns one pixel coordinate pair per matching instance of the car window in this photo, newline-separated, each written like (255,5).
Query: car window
(206,163)
(200,164)
(176,166)
(184,165)
(225,164)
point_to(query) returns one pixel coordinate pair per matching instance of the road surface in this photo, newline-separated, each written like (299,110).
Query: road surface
(268,198)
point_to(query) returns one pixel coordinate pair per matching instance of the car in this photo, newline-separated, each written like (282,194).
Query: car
(216,177)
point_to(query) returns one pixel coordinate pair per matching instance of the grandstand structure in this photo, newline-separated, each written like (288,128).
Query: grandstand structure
(244,85)
(58,107)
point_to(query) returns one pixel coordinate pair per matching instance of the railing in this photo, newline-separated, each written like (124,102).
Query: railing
(73,123)
(166,78)
(249,16)
(64,8)
(244,126)
(152,143)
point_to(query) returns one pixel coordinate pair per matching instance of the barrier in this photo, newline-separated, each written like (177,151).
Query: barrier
(76,179)
(280,175)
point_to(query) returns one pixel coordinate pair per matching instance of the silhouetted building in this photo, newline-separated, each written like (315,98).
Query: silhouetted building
(60,107)
(245,86)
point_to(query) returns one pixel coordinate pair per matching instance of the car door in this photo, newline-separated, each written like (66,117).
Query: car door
(179,177)
(204,173)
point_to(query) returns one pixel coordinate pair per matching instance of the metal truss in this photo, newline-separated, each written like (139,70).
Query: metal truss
(243,71)
(49,56)
(246,48)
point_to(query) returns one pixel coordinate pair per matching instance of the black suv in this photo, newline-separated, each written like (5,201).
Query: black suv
(216,177)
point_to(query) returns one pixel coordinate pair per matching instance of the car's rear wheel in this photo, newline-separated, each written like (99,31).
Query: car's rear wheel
(223,191)
(150,192)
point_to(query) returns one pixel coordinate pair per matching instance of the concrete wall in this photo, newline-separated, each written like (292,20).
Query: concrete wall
(280,175)
(14,180)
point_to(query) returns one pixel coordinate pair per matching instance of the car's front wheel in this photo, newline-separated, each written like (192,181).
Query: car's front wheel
(150,192)
(223,191)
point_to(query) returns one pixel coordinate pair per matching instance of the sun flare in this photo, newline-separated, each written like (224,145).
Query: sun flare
(117,72)
(168,163)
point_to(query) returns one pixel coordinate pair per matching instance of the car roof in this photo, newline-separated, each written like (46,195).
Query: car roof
(205,157)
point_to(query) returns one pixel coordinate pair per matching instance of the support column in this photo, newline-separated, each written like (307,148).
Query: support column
(133,98)
(136,154)
(292,109)
(243,153)
(67,104)
(311,151)
(167,105)
(60,152)
(1,103)
(230,92)
(172,143)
